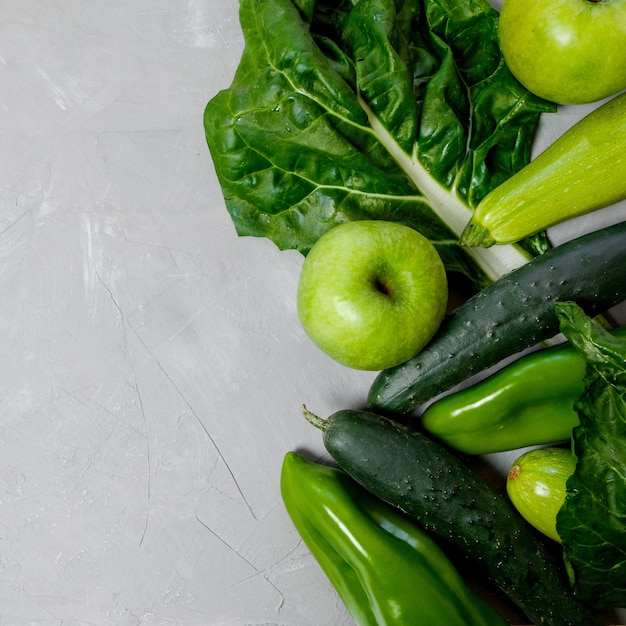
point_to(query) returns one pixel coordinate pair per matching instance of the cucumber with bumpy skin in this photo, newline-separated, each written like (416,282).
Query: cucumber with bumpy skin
(512,314)
(405,468)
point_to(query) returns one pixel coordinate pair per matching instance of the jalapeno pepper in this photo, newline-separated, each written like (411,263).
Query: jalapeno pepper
(387,571)
(529,402)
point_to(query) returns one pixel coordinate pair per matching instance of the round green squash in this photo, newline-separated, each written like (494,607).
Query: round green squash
(536,486)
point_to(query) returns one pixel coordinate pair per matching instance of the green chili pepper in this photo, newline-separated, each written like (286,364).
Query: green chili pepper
(529,402)
(386,570)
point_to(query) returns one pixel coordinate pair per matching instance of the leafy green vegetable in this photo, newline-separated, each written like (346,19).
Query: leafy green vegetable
(371,109)
(592,521)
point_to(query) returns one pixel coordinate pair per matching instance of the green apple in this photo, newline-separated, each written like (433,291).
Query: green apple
(372,293)
(566,51)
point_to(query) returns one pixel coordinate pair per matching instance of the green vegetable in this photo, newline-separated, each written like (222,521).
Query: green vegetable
(401,110)
(386,570)
(582,171)
(527,403)
(592,521)
(512,314)
(536,486)
(430,484)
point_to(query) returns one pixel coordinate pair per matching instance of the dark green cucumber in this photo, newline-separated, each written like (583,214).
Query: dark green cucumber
(512,314)
(435,488)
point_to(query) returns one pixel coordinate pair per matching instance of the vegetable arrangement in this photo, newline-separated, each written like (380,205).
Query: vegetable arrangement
(511,314)
(578,497)
(385,568)
(591,521)
(378,109)
(430,484)
(404,111)
(582,171)
(528,403)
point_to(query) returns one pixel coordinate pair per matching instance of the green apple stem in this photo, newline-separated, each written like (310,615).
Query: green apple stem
(313,419)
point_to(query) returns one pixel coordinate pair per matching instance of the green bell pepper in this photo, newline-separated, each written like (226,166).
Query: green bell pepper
(529,402)
(387,571)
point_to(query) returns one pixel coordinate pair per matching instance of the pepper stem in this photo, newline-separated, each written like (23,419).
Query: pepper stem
(313,419)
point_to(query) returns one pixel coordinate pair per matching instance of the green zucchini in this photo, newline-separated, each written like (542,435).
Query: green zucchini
(582,171)
(511,314)
(435,488)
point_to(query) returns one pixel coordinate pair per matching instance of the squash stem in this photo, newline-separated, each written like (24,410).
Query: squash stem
(313,419)
(475,234)
(514,472)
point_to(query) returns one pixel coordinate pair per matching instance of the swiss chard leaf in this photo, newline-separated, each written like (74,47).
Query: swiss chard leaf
(377,109)
(592,520)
